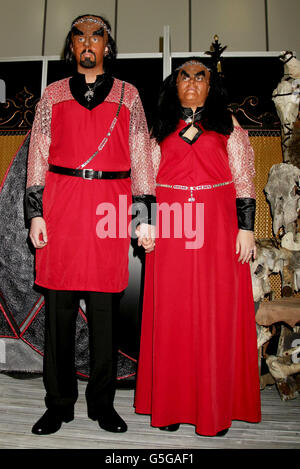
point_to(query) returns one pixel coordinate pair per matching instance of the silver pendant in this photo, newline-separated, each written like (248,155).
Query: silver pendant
(89,95)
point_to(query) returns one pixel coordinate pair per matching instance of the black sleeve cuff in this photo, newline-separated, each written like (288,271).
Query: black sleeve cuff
(246,213)
(34,202)
(144,206)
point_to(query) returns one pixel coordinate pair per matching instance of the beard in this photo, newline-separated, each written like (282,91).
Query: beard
(87,62)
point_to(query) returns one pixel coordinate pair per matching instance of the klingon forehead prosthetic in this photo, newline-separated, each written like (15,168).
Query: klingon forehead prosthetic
(91,19)
(193,62)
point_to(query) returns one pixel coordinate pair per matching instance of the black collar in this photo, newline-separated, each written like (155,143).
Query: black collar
(187,114)
(101,87)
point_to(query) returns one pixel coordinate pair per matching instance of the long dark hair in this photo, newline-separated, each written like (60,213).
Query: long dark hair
(108,60)
(215,116)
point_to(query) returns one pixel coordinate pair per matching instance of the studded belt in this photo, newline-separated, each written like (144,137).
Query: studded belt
(194,188)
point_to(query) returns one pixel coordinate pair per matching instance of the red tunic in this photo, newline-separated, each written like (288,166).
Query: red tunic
(198,360)
(87,220)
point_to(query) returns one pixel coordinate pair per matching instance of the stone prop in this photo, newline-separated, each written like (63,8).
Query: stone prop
(286,98)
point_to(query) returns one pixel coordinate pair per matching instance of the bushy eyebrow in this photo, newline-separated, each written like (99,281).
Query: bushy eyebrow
(77,32)
(183,72)
(202,72)
(99,32)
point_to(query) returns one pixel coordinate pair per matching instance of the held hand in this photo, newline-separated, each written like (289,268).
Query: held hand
(245,245)
(38,232)
(146,236)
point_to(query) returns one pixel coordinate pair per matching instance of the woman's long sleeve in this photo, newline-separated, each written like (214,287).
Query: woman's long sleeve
(241,162)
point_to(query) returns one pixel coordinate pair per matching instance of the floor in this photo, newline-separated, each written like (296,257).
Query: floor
(21,404)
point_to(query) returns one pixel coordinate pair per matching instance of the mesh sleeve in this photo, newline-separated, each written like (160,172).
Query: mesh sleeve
(40,140)
(241,162)
(142,170)
(156,155)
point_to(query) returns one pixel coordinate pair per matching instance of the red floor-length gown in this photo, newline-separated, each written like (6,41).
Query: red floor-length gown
(198,360)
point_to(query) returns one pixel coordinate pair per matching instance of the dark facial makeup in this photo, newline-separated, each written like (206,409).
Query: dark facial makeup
(88,44)
(193,85)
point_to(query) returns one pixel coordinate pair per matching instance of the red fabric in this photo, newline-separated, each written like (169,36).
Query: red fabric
(198,360)
(75,257)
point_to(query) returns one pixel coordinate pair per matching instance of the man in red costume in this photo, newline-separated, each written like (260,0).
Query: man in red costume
(89,150)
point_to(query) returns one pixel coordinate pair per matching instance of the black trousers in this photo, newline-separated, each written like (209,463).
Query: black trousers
(59,372)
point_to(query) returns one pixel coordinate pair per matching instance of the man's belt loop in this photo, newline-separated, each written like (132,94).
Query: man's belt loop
(89,174)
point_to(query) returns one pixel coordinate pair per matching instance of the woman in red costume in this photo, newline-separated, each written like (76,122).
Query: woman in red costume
(198,360)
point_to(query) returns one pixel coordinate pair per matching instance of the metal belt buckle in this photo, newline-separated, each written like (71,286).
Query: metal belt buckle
(85,176)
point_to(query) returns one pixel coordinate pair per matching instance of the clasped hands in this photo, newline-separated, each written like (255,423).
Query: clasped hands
(39,239)
(245,242)
(146,236)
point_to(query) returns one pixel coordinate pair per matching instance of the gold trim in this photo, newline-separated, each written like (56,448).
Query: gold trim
(266,120)
(18,113)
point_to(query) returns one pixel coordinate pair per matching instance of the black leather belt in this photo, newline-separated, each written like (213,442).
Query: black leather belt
(89,173)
